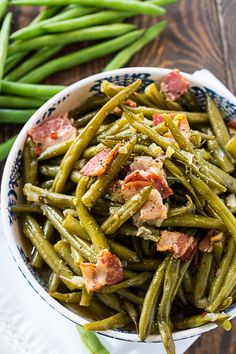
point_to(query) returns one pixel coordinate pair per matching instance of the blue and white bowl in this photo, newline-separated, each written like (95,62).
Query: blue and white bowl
(67,100)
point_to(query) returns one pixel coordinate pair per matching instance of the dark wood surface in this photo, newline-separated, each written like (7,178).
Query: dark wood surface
(201,34)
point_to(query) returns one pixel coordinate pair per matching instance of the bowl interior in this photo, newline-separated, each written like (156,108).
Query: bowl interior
(67,100)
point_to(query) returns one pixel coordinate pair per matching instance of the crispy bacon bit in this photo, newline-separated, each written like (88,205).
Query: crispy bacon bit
(206,245)
(131,188)
(174,85)
(130,103)
(157,118)
(181,245)
(154,209)
(52,131)
(108,270)
(159,182)
(98,164)
(179,119)
(232,123)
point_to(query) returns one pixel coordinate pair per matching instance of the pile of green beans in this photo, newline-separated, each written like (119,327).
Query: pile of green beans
(28,54)
(70,218)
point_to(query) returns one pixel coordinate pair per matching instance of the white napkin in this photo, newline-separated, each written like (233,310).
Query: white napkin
(28,325)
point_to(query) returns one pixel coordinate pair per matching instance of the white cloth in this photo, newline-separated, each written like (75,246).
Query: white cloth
(28,325)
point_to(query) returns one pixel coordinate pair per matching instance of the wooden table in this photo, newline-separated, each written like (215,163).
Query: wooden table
(201,34)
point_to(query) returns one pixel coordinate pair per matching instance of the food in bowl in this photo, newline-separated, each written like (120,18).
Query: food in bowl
(129,202)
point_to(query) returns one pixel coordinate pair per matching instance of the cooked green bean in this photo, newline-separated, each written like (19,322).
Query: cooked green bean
(231,146)
(151,299)
(126,211)
(118,320)
(29,90)
(122,58)
(5,31)
(202,277)
(85,298)
(26,208)
(122,5)
(131,310)
(6,147)
(130,282)
(30,163)
(55,150)
(53,282)
(149,265)
(88,133)
(124,253)
(72,224)
(68,298)
(226,179)
(193,221)
(89,224)
(81,56)
(199,320)
(99,187)
(91,341)
(64,251)
(48,231)
(218,249)
(124,293)
(188,209)
(111,300)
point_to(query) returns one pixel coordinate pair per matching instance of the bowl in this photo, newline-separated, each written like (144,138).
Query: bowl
(67,100)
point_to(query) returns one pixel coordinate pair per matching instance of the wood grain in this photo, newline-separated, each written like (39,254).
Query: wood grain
(201,34)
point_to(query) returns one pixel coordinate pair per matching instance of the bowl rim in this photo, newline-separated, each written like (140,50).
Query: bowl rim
(9,233)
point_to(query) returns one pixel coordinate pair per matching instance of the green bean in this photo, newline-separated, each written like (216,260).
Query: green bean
(26,208)
(222,270)
(228,181)
(83,120)
(29,90)
(136,280)
(92,151)
(187,282)
(12,61)
(48,231)
(72,224)
(30,163)
(32,62)
(151,300)
(193,118)
(155,96)
(33,231)
(124,253)
(122,5)
(189,100)
(53,282)
(218,249)
(150,234)
(149,265)
(85,298)
(81,142)
(188,209)
(44,14)
(181,295)
(12,116)
(99,187)
(163,319)
(131,310)
(115,321)
(183,269)
(35,194)
(89,224)
(124,293)
(37,29)
(126,211)
(80,245)
(216,203)
(202,279)
(231,146)
(226,288)
(63,249)
(68,298)
(5,31)
(199,221)
(217,122)
(91,341)
(6,147)
(122,58)
(47,184)
(20,102)
(55,150)
(81,56)
(111,300)
(198,320)
(90,104)
(3,6)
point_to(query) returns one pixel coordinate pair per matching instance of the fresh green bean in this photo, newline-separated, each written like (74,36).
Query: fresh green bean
(91,341)
(6,147)
(99,187)
(111,300)
(198,320)
(124,293)
(122,5)
(68,298)
(26,208)
(136,280)
(193,221)
(64,251)
(80,245)
(81,142)
(13,116)
(4,34)
(122,58)
(3,6)
(29,90)
(231,146)
(126,211)
(89,224)
(12,61)
(37,29)
(20,102)
(32,62)
(151,300)
(81,56)
(202,278)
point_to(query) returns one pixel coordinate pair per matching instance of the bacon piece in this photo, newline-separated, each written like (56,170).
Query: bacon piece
(130,103)
(108,270)
(180,244)
(232,123)
(154,209)
(52,131)
(115,192)
(206,245)
(98,164)
(179,119)
(174,85)
(131,188)
(157,118)
(159,182)
(141,163)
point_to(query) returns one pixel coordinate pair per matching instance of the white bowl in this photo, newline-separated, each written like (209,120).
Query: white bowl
(67,100)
